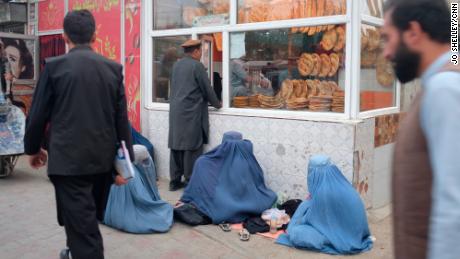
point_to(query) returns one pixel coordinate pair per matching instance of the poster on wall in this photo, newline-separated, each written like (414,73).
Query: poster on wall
(20,56)
(108,25)
(19,59)
(50,15)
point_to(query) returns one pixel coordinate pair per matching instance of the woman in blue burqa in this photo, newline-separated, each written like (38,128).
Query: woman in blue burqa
(228,184)
(136,207)
(333,220)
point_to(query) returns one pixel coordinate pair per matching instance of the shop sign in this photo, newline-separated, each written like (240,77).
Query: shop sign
(210,20)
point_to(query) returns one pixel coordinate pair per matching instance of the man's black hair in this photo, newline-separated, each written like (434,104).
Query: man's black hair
(79,26)
(192,48)
(432,15)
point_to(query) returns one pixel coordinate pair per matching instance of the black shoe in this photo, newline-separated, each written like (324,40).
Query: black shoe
(65,254)
(174,186)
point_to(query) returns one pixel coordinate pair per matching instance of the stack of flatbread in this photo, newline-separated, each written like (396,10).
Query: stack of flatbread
(370,43)
(220,7)
(323,65)
(297,103)
(254,101)
(316,8)
(338,101)
(298,99)
(272,102)
(385,72)
(320,103)
(334,39)
(241,102)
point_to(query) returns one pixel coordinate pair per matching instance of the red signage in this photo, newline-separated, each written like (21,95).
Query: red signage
(108,25)
(50,15)
(132,59)
(108,38)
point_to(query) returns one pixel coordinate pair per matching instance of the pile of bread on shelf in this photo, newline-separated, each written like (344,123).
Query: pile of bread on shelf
(317,8)
(328,63)
(372,57)
(275,10)
(314,95)
(338,101)
(324,65)
(246,101)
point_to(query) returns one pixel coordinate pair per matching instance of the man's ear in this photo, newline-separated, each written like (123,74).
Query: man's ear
(414,35)
(66,39)
(93,38)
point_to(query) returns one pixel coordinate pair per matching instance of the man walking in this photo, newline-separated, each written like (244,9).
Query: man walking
(188,117)
(426,180)
(81,97)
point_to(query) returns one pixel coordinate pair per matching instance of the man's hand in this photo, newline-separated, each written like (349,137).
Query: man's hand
(265,83)
(38,160)
(9,76)
(119,180)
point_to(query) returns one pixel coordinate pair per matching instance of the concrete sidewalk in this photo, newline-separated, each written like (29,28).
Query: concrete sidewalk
(28,229)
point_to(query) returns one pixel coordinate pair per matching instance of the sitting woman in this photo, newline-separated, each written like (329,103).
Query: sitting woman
(333,220)
(227,183)
(136,207)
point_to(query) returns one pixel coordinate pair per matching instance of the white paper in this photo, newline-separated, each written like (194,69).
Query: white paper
(123,163)
(237,45)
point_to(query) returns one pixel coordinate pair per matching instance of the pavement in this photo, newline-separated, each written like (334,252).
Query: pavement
(28,229)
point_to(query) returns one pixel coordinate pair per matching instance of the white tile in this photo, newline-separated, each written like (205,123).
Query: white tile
(381,188)
(383,157)
(282,147)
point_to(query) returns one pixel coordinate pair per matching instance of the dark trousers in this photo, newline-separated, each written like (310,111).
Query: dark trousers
(181,163)
(80,202)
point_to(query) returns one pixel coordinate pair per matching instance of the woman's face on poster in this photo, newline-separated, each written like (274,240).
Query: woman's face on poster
(13,56)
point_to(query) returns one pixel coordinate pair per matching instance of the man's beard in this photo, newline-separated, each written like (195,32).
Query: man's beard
(406,63)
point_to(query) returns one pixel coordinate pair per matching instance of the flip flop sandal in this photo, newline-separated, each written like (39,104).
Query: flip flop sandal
(225,227)
(178,204)
(244,235)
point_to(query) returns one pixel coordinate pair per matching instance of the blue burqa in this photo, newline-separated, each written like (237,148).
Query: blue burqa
(228,184)
(137,206)
(138,139)
(334,220)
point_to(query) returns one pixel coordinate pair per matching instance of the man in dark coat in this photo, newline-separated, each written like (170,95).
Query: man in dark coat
(191,92)
(81,97)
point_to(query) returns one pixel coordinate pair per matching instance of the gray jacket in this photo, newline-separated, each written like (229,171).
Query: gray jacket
(191,92)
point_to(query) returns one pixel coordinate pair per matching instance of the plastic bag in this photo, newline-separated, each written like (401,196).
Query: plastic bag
(279,215)
(123,163)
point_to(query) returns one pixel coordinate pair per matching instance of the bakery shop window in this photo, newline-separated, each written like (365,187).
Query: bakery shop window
(289,69)
(169,14)
(211,58)
(373,7)
(166,51)
(378,83)
(250,11)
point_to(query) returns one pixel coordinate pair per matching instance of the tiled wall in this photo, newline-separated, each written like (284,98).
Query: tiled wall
(363,180)
(282,147)
(382,172)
